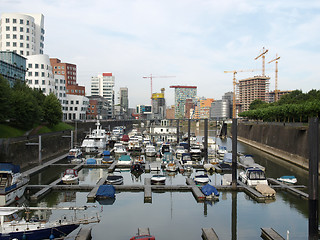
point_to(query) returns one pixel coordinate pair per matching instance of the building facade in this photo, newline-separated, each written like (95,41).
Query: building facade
(22,33)
(205,105)
(69,71)
(103,85)
(181,94)
(271,95)
(220,109)
(124,101)
(250,89)
(159,105)
(12,67)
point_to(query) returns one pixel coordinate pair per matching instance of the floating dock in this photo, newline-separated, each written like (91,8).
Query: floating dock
(270,234)
(209,234)
(289,188)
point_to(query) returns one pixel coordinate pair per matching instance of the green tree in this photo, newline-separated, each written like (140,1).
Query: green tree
(52,113)
(5,99)
(257,103)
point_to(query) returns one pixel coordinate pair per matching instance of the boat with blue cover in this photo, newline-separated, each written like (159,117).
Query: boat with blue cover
(210,192)
(288,179)
(12,183)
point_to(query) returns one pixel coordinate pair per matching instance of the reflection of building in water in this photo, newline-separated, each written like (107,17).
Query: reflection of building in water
(224,195)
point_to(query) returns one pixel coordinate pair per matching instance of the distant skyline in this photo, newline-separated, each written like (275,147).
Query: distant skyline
(193,40)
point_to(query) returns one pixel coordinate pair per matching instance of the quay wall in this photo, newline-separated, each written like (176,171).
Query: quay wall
(287,141)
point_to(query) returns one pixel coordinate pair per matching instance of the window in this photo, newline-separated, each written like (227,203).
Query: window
(58,67)
(28,22)
(30,65)
(27,30)
(21,44)
(8,44)
(29,74)
(30,81)
(14,44)
(7,28)
(36,65)
(42,66)
(36,74)
(71,102)
(21,52)
(62,67)
(27,38)
(77,102)
(42,74)
(43,90)
(14,29)
(76,108)
(21,29)
(21,21)
(36,81)
(28,53)
(71,108)
(7,36)
(27,45)
(14,20)
(43,82)
(7,20)
(21,37)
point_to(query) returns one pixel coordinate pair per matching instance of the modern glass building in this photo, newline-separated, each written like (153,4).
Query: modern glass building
(12,67)
(182,93)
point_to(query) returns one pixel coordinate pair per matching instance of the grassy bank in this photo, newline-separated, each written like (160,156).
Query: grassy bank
(7,131)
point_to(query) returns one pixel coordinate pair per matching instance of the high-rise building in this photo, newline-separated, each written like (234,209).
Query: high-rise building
(69,71)
(205,105)
(271,95)
(123,101)
(181,94)
(103,85)
(220,109)
(12,67)
(250,89)
(159,105)
(22,33)
(229,97)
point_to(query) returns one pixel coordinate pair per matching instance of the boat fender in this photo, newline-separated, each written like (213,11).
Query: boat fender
(51,237)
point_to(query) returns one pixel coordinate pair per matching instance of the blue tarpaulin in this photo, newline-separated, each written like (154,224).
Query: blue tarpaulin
(106,153)
(106,191)
(9,167)
(209,189)
(91,161)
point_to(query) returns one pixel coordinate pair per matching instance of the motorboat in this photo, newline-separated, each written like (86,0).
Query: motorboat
(74,153)
(171,166)
(167,157)
(223,167)
(137,167)
(195,151)
(247,161)
(119,149)
(140,159)
(125,160)
(12,183)
(186,159)
(158,179)
(210,192)
(14,227)
(106,191)
(180,150)
(288,179)
(114,179)
(201,179)
(150,151)
(106,157)
(166,148)
(95,140)
(221,151)
(253,177)
(70,176)
(227,158)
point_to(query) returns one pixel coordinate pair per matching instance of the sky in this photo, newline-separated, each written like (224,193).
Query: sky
(192,42)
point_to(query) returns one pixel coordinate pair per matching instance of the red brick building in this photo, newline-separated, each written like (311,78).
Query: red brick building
(69,71)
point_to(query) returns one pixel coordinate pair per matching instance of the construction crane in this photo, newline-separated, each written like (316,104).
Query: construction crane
(262,55)
(151,77)
(276,91)
(234,88)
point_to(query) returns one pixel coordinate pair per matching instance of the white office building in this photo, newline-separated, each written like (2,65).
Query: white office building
(103,86)
(22,33)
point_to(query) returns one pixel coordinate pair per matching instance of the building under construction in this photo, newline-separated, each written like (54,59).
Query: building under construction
(250,89)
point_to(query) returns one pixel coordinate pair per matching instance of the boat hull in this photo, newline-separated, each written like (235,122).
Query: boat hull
(8,197)
(57,231)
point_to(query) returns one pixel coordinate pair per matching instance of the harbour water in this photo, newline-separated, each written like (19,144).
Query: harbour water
(177,215)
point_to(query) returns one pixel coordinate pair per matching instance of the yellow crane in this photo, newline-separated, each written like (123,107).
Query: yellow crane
(262,55)
(276,91)
(234,88)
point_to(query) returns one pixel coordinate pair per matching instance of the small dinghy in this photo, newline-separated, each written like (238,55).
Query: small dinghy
(201,179)
(114,180)
(288,179)
(210,192)
(158,179)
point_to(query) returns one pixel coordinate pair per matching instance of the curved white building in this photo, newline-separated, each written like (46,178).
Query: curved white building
(22,33)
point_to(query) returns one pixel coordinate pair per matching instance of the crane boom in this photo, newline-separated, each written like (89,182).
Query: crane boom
(151,77)
(276,91)
(262,55)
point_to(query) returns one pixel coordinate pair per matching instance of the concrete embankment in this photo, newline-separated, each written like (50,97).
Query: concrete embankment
(289,142)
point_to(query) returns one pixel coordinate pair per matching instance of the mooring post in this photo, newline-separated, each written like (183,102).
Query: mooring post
(313,135)
(40,155)
(234,153)
(189,121)
(205,140)
(71,140)
(234,215)
(178,131)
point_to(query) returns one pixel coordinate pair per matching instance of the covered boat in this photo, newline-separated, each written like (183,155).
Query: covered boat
(158,179)
(12,183)
(91,161)
(210,191)
(74,153)
(125,160)
(105,191)
(288,179)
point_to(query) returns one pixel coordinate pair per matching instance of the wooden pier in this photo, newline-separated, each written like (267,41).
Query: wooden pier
(270,234)
(84,233)
(91,197)
(198,195)
(209,234)
(289,188)
(147,190)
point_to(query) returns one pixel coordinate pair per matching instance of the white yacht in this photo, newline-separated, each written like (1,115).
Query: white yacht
(150,151)
(95,140)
